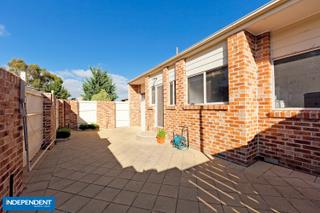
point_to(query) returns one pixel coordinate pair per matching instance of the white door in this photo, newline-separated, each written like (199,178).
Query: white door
(122,114)
(143,111)
(87,112)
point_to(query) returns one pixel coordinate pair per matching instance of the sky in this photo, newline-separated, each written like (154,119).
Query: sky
(125,37)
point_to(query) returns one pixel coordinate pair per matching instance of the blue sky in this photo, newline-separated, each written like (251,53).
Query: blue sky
(124,37)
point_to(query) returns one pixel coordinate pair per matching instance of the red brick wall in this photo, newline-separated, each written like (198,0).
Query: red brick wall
(11,136)
(134,105)
(49,118)
(61,104)
(149,109)
(106,114)
(289,138)
(71,109)
(247,127)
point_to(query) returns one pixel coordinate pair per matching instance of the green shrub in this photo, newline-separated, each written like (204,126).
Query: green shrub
(63,133)
(88,126)
(161,133)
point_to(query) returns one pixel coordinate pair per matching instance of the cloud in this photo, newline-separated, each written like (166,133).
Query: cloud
(73,79)
(82,73)
(74,86)
(3,31)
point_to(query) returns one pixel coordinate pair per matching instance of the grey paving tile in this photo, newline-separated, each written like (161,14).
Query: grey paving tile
(107,194)
(169,191)
(141,176)
(234,209)
(279,204)
(187,206)
(145,201)
(156,178)
(94,206)
(118,183)
(74,204)
(151,188)
(125,197)
(165,204)
(137,210)
(133,185)
(187,193)
(116,208)
(60,197)
(89,178)
(91,190)
(37,186)
(76,187)
(210,208)
(103,180)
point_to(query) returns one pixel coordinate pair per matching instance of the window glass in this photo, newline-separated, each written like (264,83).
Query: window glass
(297,81)
(217,85)
(172,93)
(195,89)
(153,95)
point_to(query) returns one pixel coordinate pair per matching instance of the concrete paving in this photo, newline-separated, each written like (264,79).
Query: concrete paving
(111,171)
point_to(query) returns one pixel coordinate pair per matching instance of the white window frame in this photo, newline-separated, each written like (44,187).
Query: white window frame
(155,92)
(204,73)
(273,84)
(173,93)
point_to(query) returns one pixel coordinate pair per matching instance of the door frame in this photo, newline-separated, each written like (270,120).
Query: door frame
(156,106)
(143,112)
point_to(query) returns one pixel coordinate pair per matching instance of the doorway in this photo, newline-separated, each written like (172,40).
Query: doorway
(143,112)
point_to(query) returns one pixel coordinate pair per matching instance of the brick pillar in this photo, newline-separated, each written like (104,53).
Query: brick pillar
(243,95)
(106,114)
(49,118)
(61,113)
(11,136)
(149,109)
(71,114)
(134,104)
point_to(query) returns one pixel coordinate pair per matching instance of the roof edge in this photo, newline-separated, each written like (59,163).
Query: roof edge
(234,25)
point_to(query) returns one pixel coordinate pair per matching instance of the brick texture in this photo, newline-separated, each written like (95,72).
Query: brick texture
(11,136)
(71,110)
(247,128)
(134,105)
(106,114)
(49,118)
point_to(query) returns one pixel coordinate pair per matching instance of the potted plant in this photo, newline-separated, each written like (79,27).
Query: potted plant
(161,136)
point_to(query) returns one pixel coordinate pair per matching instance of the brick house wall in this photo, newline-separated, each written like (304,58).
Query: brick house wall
(49,118)
(61,113)
(247,128)
(11,135)
(106,114)
(134,105)
(71,110)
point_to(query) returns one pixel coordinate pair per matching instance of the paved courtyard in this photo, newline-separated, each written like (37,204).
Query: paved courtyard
(111,171)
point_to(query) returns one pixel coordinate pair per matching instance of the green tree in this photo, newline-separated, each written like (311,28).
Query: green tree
(39,78)
(101,96)
(17,65)
(100,80)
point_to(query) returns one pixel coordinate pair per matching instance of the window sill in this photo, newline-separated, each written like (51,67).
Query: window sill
(221,107)
(170,107)
(295,113)
(150,107)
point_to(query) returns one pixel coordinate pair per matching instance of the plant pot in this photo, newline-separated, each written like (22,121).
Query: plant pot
(161,140)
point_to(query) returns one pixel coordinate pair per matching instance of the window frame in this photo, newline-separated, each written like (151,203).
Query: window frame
(173,93)
(155,91)
(273,83)
(204,73)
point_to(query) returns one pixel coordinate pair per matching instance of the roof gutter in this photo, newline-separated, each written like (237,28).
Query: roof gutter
(237,24)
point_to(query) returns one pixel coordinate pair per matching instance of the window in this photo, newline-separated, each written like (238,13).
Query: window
(213,89)
(153,95)
(297,81)
(195,89)
(217,85)
(172,89)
